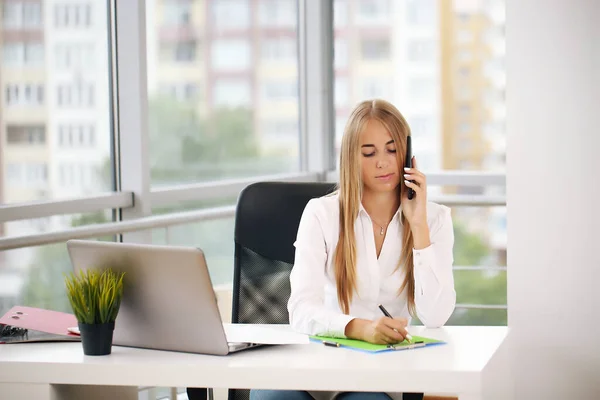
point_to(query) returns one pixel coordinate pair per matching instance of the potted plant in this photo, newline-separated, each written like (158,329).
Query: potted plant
(95,297)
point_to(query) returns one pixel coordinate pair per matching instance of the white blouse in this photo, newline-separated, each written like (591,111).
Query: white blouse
(313,307)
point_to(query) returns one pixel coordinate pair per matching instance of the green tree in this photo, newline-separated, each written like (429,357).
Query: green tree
(475,286)
(185,147)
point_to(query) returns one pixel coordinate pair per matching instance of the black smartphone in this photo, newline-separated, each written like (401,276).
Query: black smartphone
(408,164)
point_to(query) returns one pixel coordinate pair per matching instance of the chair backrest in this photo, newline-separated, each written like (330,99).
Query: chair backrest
(266,223)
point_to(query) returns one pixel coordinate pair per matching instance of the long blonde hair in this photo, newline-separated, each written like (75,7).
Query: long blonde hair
(350,194)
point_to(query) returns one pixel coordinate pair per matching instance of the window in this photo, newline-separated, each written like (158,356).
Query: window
(421,12)
(340,55)
(82,135)
(421,89)
(21,15)
(375,49)
(27,174)
(280,131)
(232,93)
(177,12)
(280,49)
(185,51)
(78,94)
(75,56)
(278,13)
(422,126)
(23,54)
(422,51)
(245,72)
(280,90)
(341,91)
(231,54)
(376,88)
(373,11)
(26,94)
(231,14)
(73,16)
(182,92)
(26,134)
(340,13)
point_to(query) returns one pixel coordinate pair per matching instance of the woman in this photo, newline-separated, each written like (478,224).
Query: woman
(368,244)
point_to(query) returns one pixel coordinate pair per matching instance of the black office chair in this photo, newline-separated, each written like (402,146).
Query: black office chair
(266,224)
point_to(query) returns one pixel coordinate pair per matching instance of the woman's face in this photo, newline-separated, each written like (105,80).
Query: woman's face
(379,165)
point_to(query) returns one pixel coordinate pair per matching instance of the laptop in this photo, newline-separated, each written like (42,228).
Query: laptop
(168,298)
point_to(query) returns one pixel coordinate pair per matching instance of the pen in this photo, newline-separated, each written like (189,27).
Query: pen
(387,314)
(332,344)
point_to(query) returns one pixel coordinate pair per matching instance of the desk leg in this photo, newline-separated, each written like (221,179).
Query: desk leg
(93,392)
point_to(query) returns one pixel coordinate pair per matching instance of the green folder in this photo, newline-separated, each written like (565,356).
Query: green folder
(416,342)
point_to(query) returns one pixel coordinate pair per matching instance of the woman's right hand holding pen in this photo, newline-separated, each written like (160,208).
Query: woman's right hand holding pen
(384,330)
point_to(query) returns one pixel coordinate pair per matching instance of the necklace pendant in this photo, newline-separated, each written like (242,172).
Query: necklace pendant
(381,231)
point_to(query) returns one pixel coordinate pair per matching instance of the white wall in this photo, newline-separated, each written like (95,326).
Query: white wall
(553,174)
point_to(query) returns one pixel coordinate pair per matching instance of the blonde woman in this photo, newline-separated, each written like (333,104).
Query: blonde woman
(368,244)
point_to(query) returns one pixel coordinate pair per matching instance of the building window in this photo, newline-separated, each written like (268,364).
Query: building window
(373,11)
(231,54)
(278,13)
(23,54)
(178,12)
(231,14)
(421,12)
(76,136)
(184,92)
(376,88)
(278,49)
(421,50)
(73,15)
(26,134)
(75,95)
(185,51)
(27,175)
(21,15)
(24,94)
(75,55)
(422,89)
(422,126)
(375,49)
(281,90)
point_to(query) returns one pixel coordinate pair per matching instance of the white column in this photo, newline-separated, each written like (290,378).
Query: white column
(553,174)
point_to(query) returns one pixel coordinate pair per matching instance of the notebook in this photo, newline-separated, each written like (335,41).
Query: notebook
(359,345)
(29,324)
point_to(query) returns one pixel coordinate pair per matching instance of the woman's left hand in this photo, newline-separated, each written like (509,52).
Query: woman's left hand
(415,210)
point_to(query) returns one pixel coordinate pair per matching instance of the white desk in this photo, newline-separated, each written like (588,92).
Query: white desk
(463,366)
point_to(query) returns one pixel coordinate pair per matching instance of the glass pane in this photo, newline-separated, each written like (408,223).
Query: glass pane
(480,287)
(223,96)
(55,137)
(440,62)
(481,317)
(34,276)
(214,237)
(479,236)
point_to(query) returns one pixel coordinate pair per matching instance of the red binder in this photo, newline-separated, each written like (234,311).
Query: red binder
(41,325)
